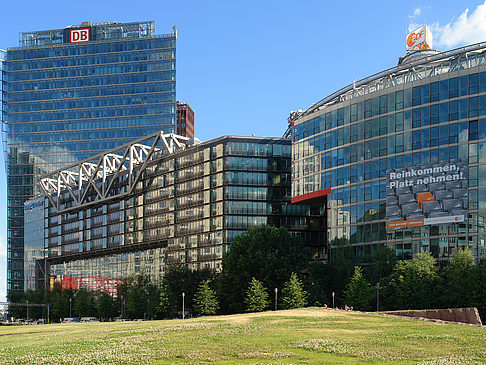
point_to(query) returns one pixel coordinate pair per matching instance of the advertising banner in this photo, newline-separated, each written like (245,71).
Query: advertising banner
(428,194)
(93,283)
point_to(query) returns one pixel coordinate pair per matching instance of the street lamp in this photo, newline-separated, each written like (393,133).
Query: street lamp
(70,301)
(148,308)
(183,313)
(276,291)
(378,287)
(121,304)
(333,299)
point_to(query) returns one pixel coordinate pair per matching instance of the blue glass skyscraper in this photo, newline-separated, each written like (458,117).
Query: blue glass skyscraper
(72,93)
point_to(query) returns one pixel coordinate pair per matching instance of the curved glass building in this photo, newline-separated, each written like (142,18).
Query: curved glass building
(365,151)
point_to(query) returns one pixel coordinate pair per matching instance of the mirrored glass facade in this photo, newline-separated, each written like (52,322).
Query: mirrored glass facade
(72,93)
(33,246)
(186,210)
(415,115)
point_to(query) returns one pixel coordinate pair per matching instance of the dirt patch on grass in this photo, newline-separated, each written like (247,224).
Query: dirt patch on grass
(304,312)
(19,333)
(337,330)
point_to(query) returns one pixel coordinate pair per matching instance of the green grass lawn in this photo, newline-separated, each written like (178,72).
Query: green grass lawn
(305,336)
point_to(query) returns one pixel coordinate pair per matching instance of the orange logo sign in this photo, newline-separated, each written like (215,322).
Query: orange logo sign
(420,38)
(414,37)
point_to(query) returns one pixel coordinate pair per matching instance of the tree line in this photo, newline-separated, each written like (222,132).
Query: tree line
(269,268)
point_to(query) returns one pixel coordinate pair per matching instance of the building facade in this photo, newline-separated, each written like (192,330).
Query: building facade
(141,210)
(185,120)
(72,93)
(426,114)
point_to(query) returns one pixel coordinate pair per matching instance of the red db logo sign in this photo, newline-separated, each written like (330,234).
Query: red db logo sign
(79,35)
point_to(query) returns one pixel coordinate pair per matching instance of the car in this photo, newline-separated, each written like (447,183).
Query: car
(70,320)
(89,319)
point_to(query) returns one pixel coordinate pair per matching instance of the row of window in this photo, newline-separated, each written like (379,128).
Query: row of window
(372,169)
(89,71)
(472,108)
(76,93)
(90,60)
(106,80)
(102,112)
(116,131)
(77,49)
(120,101)
(401,142)
(436,91)
(109,123)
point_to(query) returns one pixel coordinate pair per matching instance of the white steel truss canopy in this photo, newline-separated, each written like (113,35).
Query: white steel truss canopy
(100,172)
(419,69)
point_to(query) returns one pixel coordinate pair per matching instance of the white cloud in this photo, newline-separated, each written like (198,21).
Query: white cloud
(413,19)
(468,28)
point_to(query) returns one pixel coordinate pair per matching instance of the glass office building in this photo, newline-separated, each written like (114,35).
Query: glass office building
(72,93)
(428,111)
(147,210)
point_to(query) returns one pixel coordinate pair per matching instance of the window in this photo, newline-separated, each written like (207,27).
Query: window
(453,88)
(425,93)
(473,84)
(399,100)
(473,107)
(434,114)
(453,110)
(434,136)
(383,104)
(473,130)
(434,91)
(416,93)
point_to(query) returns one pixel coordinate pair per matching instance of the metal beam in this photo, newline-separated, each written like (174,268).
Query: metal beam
(101,171)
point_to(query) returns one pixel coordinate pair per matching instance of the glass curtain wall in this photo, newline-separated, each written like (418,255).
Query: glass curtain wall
(68,101)
(348,147)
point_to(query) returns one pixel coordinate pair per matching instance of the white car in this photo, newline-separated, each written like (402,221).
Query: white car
(89,319)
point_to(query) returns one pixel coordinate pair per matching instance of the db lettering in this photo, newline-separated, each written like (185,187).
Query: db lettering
(79,35)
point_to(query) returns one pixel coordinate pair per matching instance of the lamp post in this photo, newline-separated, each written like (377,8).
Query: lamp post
(121,304)
(70,312)
(148,309)
(183,313)
(276,291)
(333,299)
(378,287)
(27,310)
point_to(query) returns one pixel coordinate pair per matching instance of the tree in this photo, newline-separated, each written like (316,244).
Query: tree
(340,267)
(267,253)
(84,304)
(459,279)
(358,292)
(383,262)
(140,296)
(293,293)
(478,294)
(412,283)
(316,282)
(106,307)
(205,301)
(178,280)
(165,305)
(256,299)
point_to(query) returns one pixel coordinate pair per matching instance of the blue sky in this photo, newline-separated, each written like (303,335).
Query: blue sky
(243,66)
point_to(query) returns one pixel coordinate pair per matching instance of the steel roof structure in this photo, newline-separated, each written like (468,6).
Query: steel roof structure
(99,172)
(410,68)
